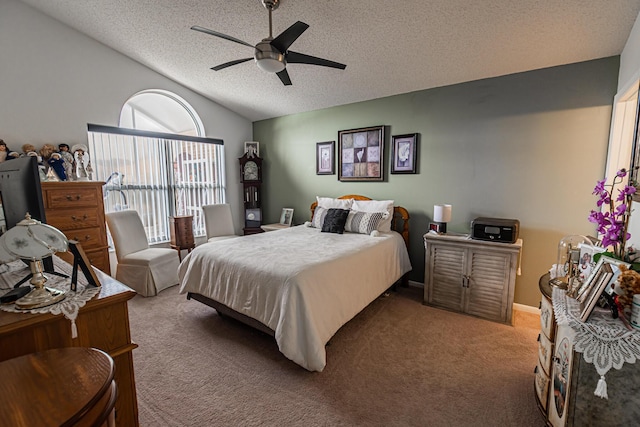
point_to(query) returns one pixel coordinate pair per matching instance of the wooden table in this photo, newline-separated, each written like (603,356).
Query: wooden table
(71,386)
(103,323)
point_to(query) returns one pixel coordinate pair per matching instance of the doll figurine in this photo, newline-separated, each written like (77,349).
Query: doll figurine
(30,150)
(81,157)
(68,161)
(5,153)
(56,165)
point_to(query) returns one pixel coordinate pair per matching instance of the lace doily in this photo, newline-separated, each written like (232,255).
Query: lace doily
(69,306)
(603,341)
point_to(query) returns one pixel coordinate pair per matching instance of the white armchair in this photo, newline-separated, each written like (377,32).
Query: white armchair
(146,270)
(218,222)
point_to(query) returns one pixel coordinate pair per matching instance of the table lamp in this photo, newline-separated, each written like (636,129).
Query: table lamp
(441,216)
(32,240)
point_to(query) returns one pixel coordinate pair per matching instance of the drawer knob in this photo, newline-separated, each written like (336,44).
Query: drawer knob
(70,197)
(75,218)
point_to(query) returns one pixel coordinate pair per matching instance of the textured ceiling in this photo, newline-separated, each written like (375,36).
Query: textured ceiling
(389,47)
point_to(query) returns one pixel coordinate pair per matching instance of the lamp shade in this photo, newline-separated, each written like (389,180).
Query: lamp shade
(30,239)
(442,213)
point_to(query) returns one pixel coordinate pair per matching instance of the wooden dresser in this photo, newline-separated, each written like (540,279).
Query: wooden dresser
(76,208)
(103,323)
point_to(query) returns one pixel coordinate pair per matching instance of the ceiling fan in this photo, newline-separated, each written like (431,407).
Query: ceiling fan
(272,54)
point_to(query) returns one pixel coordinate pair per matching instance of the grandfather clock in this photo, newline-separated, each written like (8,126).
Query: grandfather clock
(251,178)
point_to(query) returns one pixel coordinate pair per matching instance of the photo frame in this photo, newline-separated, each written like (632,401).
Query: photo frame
(286,217)
(81,261)
(404,153)
(587,262)
(361,154)
(325,160)
(591,281)
(252,146)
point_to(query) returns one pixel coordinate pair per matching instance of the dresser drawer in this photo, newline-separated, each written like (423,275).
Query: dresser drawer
(89,238)
(546,318)
(71,219)
(545,352)
(542,386)
(99,258)
(71,197)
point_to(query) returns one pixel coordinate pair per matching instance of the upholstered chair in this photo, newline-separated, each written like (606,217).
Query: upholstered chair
(145,270)
(218,222)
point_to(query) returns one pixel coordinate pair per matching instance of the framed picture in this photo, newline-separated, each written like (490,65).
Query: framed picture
(324,158)
(604,265)
(286,217)
(361,154)
(404,151)
(252,147)
(587,262)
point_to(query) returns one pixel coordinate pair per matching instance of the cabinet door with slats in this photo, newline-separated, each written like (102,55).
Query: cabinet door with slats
(446,282)
(488,288)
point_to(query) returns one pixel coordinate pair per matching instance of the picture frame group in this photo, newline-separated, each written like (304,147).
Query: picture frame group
(601,280)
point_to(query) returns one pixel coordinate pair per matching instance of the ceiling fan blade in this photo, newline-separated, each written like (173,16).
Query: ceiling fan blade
(284,77)
(217,34)
(230,63)
(301,58)
(288,36)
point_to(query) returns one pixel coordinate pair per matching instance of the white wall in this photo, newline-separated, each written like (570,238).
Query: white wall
(630,58)
(54,80)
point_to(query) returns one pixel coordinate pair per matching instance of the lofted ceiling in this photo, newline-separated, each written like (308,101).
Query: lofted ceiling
(389,47)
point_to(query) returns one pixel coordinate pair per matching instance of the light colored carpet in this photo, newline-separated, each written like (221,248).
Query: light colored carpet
(398,363)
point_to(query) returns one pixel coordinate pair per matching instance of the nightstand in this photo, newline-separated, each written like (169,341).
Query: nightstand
(181,229)
(273,227)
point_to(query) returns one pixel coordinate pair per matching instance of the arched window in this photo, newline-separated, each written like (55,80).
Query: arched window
(158,162)
(160,111)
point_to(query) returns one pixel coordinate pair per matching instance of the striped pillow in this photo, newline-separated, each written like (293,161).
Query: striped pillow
(318,217)
(363,222)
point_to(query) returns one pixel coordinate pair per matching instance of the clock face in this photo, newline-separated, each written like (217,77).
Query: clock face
(250,171)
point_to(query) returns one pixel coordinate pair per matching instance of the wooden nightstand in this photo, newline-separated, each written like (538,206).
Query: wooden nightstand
(182,234)
(273,227)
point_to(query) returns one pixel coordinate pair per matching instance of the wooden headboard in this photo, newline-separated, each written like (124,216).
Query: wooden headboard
(399,222)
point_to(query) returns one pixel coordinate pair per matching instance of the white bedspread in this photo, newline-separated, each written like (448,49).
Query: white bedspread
(300,282)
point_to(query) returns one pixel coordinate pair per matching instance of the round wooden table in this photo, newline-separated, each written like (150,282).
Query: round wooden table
(71,386)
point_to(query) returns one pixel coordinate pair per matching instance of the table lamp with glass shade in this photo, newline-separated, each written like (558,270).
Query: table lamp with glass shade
(32,240)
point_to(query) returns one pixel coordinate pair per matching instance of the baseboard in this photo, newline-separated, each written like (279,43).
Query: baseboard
(525,308)
(416,284)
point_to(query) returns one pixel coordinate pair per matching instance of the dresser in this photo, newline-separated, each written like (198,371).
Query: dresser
(565,383)
(474,277)
(77,209)
(103,323)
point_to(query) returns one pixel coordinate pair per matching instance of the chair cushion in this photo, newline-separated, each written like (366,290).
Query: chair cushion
(149,256)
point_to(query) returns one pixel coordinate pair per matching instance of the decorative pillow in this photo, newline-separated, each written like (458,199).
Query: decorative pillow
(328,203)
(363,222)
(318,217)
(376,206)
(334,221)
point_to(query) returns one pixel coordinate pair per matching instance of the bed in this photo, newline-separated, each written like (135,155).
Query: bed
(298,284)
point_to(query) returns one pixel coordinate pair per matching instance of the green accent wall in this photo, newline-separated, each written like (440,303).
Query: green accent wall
(528,146)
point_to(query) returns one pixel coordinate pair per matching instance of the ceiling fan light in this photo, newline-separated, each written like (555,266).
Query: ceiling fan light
(270,65)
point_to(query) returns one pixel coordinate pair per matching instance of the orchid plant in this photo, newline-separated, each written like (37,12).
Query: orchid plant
(613,217)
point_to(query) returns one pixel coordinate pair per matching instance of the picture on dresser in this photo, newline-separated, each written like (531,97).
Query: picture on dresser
(604,265)
(361,154)
(286,217)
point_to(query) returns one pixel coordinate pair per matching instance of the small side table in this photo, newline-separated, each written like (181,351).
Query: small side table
(181,230)
(273,227)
